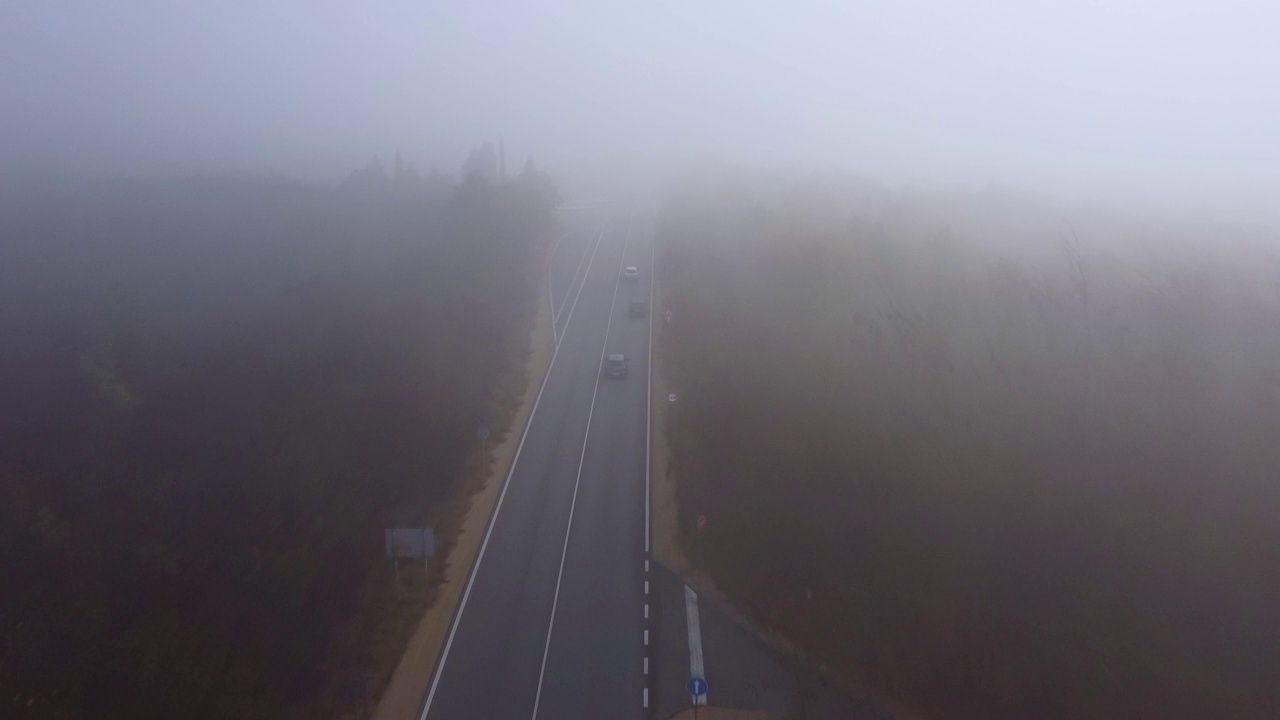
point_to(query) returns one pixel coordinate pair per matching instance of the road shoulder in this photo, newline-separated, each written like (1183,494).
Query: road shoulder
(402,699)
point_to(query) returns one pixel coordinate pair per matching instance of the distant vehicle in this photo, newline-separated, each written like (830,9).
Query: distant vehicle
(615,366)
(631,273)
(637,309)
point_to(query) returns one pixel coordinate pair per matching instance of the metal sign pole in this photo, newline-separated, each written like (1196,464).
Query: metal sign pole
(428,549)
(702,523)
(697,689)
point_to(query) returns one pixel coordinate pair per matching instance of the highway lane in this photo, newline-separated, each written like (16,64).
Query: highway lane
(597,647)
(493,662)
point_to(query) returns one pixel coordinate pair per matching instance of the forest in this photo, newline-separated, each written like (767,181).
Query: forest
(981,454)
(215,393)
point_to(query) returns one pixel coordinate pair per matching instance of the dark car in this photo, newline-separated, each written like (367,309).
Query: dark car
(615,366)
(637,309)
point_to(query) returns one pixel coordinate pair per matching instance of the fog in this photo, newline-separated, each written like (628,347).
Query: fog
(972,311)
(1154,102)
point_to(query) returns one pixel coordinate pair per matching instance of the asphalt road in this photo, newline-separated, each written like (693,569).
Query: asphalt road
(552,622)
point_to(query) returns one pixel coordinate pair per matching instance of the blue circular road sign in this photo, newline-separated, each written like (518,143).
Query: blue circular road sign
(696,686)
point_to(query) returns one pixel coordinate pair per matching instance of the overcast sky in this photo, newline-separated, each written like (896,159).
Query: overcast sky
(1176,98)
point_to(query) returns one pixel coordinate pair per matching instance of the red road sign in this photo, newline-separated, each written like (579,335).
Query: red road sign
(702,522)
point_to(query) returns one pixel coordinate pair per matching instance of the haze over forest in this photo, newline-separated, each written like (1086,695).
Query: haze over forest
(971,309)
(1169,102)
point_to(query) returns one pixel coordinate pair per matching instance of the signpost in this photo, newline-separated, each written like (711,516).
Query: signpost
(702,525)
(697,688)
(409,543)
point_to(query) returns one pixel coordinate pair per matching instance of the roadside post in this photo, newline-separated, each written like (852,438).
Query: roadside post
(702,525)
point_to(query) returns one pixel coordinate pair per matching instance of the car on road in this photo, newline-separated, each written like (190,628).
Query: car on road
(615,366)
(631,273)
(637,309)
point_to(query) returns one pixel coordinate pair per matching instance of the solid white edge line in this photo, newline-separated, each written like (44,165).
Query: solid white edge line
(577,270)
(604,348)
(582,284)
(574,279)
(551,298)
(471,579)
(648,412)
(556,246)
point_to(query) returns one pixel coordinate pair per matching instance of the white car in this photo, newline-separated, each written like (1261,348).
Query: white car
(631,273)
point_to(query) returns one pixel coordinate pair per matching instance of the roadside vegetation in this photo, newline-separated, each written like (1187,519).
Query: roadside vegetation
(978,454)
(214,395)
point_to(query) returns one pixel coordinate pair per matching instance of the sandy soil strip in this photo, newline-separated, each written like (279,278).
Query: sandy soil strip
(717,713)
(403,697)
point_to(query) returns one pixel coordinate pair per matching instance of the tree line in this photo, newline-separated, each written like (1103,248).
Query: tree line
(977,454)
(214,395)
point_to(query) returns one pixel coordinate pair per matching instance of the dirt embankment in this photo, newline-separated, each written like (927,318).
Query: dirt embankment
(716,713)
